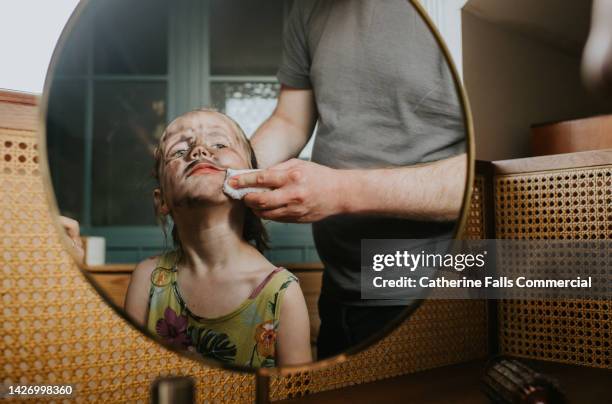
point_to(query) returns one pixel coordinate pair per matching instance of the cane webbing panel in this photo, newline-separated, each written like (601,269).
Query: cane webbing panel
(439,333)
(560,204)
(476,220)
(57,330)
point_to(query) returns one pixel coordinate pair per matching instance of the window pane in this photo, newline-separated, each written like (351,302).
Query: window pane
(248,103)
(246,36)
(131,37)
(129,119)
(65,144)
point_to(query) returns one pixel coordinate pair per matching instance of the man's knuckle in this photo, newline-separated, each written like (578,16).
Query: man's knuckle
(299,196)
(295,175)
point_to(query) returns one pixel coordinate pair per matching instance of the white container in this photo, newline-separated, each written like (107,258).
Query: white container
(95,251)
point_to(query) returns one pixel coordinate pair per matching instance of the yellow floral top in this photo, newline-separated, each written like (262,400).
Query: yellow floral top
(246,336)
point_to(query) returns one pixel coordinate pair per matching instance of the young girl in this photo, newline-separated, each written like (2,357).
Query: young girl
(215,294)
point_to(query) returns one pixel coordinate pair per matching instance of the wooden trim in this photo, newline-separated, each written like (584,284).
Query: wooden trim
(18,111)
(553,162)
(111,268)
(302,266)
(16,97)
(128,268)
(486,170)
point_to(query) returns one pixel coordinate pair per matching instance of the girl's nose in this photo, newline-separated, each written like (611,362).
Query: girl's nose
(199,150)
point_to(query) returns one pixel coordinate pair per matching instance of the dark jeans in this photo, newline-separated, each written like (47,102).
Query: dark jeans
(344,326)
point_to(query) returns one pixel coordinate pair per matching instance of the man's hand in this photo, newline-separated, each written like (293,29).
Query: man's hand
(305,192)
(302,192)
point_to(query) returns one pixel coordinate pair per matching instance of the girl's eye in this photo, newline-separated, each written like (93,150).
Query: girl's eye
(178,153)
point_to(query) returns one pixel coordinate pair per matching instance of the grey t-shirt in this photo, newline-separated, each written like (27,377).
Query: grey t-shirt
(385,98)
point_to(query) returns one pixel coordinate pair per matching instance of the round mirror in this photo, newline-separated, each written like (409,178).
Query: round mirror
(350,110)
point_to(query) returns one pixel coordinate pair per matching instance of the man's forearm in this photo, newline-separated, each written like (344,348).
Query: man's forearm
(426,192)
(277,140)
(285,133)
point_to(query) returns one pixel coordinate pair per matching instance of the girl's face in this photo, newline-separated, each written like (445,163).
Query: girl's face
(196,149)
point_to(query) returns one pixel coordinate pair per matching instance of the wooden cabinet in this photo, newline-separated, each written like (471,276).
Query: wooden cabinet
(594,133)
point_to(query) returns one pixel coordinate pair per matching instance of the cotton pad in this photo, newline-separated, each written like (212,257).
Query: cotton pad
(241,192)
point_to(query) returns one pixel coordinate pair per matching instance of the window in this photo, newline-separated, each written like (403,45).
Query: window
(120,81)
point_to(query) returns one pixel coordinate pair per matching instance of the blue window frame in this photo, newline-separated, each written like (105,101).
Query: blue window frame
(117,85)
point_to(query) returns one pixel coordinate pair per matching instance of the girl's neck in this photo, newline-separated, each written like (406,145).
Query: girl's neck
(210,242)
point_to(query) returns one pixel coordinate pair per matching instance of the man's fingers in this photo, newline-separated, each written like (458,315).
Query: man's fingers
(267,200)
(281,214)
(71,226)
(265,178)
(286,214)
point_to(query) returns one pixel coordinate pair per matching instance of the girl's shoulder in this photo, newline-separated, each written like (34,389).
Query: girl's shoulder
(157,266)
(145,268)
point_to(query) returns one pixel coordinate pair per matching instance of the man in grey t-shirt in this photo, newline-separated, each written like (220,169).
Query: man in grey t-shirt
(388,159)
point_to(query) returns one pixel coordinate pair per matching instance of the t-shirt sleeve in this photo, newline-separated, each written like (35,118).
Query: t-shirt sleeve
(294,70)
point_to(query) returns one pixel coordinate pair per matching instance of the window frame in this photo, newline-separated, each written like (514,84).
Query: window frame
(139,242)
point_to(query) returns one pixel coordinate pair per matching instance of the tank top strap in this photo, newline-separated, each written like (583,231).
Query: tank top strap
(263,283)
(165,271)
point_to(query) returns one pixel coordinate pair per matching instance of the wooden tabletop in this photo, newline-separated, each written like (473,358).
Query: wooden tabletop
(553,162)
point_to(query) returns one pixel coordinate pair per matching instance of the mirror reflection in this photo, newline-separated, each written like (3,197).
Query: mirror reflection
(348,113)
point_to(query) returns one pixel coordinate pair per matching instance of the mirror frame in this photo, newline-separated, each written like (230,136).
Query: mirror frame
(265,372)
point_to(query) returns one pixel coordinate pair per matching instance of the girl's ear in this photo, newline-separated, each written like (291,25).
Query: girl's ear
(160,205)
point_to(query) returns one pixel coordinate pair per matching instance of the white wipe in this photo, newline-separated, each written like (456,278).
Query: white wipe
(239,193)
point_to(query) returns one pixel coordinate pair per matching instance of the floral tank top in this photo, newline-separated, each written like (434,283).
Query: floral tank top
(244,337)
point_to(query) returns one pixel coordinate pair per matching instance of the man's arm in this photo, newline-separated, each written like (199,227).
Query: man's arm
(307,192)
(285,133)
(431,191)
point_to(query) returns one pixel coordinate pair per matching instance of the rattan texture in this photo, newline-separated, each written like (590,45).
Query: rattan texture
(573,204)
(441,332)
(58,330)
(475,227)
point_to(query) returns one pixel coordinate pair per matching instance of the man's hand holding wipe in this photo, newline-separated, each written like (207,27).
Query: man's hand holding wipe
(306,192)
(302,192)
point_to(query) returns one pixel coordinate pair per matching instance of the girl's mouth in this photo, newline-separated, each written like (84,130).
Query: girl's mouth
(203,168)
